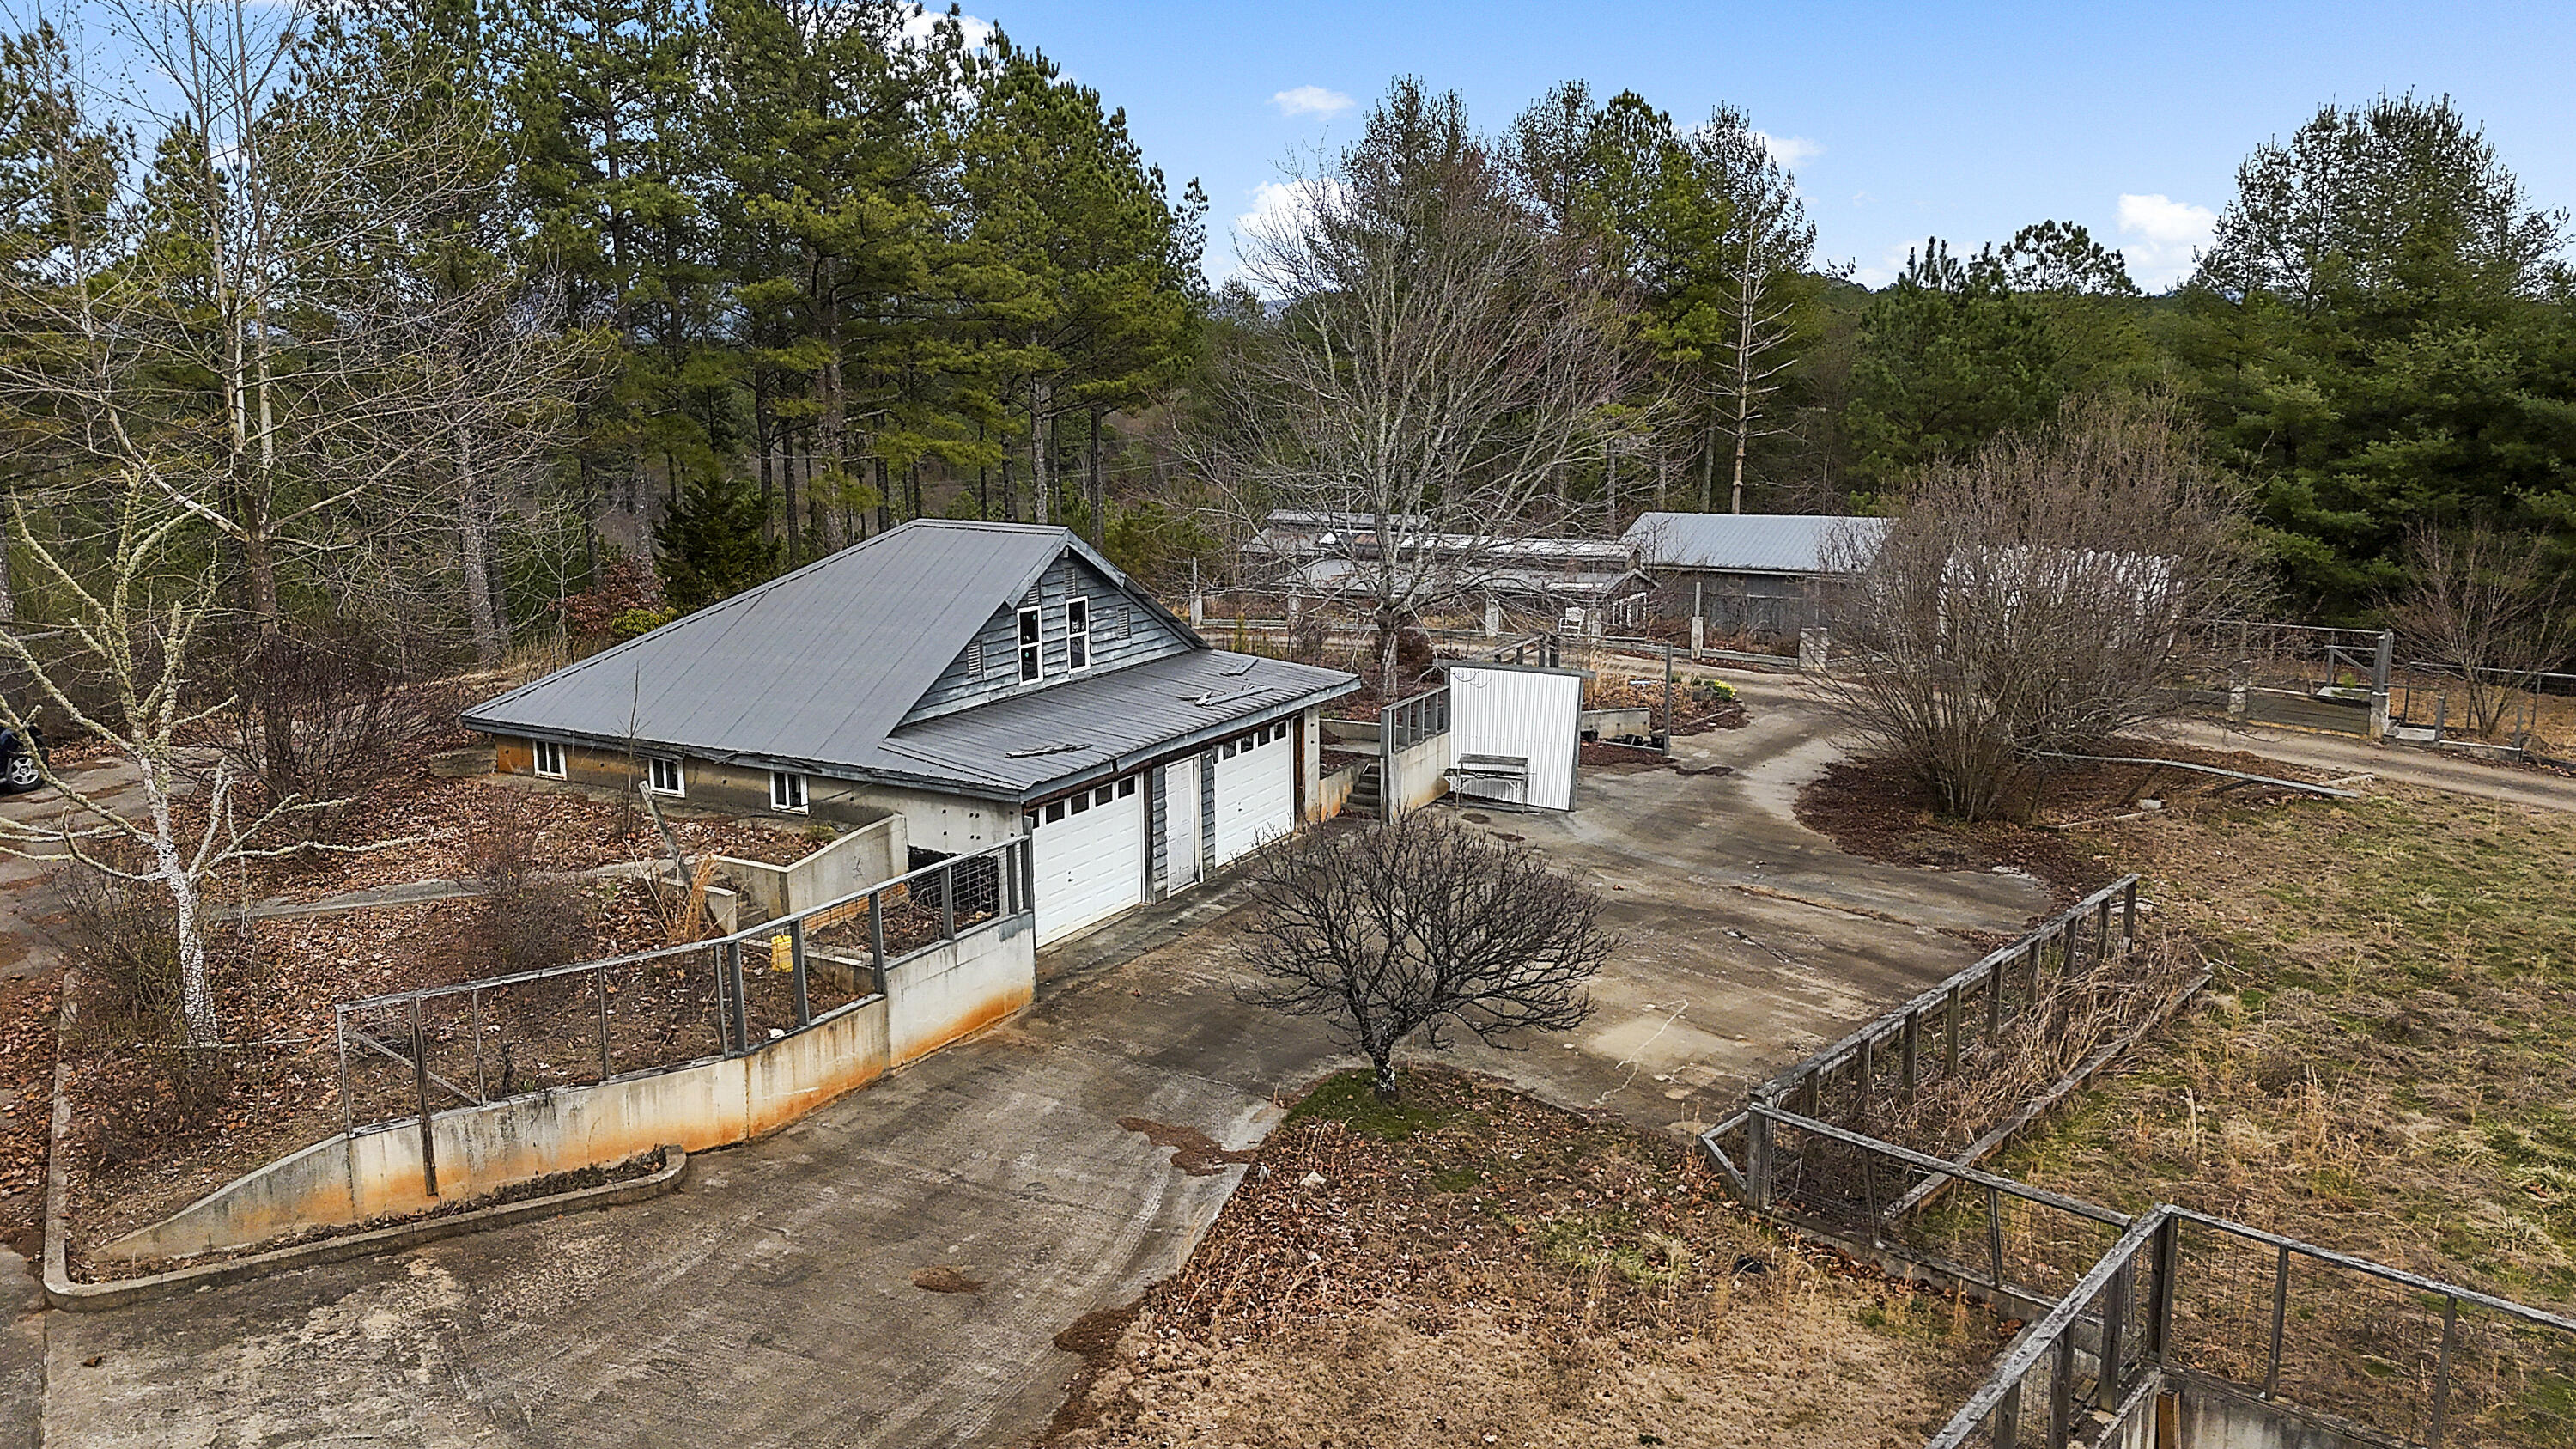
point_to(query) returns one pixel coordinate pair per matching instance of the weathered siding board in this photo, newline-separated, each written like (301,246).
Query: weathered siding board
(1145,637)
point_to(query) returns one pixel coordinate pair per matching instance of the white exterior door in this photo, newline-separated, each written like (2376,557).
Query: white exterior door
(1256,790)
(1181,823)
(1088,857)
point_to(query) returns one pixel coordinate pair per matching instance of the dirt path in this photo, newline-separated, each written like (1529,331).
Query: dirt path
(2346,755)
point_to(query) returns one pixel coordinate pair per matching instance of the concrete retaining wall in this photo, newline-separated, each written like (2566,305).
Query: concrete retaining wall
(852,863)
(934,997)
(1333,790)
(1420,774)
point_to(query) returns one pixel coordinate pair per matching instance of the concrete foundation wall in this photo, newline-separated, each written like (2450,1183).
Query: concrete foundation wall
(724,789)
(2206,1415)
(934,997)
(1420,774)
(871,853)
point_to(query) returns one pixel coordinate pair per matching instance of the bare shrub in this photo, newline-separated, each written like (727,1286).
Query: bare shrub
(121,938)
(349,717)
(2083,1014)
(2034,598)
(526,918)
(2488,606)
(1418,926)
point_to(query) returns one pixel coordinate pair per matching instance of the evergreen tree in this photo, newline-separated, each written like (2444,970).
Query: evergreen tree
(1948,356)
(710,544)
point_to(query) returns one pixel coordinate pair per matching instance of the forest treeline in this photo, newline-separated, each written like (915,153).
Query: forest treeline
(436,320)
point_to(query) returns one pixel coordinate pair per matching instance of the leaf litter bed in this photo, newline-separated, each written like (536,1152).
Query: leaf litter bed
(1479,1268)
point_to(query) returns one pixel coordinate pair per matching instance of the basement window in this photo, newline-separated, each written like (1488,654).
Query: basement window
(662,776)
(1077,634)
(787,792)
(549,759)
(1031,665)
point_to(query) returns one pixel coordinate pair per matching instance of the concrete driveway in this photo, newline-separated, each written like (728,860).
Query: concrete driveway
(1751,940)
(773,1301)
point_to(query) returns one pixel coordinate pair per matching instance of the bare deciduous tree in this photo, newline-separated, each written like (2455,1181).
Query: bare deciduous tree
(1437,369)
(2032,598)
(1416,927)
(136,626)
(249,323)
(2489,606)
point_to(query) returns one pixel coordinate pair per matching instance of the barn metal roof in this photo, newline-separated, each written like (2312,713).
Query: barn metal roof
(816,667)
(1759,543)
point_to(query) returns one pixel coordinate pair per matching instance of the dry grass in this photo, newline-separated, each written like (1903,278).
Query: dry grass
(1481,1269)
(2386,1065)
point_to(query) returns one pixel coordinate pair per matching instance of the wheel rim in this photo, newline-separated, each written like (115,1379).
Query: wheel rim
(22,770)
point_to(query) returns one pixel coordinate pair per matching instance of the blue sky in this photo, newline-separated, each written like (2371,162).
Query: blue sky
(1959,120)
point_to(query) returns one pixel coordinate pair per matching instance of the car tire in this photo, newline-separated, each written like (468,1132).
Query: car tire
(21,774)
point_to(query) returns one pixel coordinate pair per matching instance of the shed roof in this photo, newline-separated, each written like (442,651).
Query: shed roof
(1104,722)
(1765,543)
(814,667)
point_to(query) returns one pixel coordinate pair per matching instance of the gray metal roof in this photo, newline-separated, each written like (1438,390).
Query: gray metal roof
(1103,723)
(1760,543)
(815,667)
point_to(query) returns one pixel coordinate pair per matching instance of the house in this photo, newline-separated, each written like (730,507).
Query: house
(1745,573)
(981,680)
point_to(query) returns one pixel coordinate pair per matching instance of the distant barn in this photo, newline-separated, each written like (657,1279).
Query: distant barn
(1745,573)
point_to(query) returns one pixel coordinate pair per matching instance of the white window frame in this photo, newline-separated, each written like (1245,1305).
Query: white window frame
(1077,634)
(787,792)
(542,750)
(654,765)
(1031,639)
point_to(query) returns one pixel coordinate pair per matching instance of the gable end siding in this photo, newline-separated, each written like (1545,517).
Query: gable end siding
(1145,638)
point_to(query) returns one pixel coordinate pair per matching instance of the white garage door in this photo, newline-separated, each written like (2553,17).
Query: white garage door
(1256,790)
(1088,857)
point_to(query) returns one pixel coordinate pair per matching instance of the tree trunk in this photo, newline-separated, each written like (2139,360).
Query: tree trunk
(1384,1081)
(196,990)
(1041,467)
(1098,498)
(787,492)
(489,639)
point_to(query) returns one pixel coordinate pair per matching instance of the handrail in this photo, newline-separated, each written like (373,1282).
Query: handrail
(757,934)
(2041,1337)
(2108,1217)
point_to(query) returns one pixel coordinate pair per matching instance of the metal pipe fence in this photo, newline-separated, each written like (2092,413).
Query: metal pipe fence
(407,1055)
(2370,1352)
(1947,1030)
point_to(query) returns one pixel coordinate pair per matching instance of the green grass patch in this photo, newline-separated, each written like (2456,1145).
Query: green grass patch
(1351,1099)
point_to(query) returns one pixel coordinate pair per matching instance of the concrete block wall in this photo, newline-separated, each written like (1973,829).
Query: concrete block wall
(934,997)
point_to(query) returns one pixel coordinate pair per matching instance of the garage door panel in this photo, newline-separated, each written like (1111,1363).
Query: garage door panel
(1256,790)
(1087,856)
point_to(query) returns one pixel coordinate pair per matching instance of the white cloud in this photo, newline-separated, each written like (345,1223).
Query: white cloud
(1891,264)
(1310,101)
(1277,207)
(979,33)
(1790,150)
(2162,238)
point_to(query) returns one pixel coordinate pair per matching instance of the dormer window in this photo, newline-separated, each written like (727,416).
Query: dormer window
(1077,634)
(1032,664)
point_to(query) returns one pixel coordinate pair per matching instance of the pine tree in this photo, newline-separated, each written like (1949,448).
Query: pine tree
(710,544)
